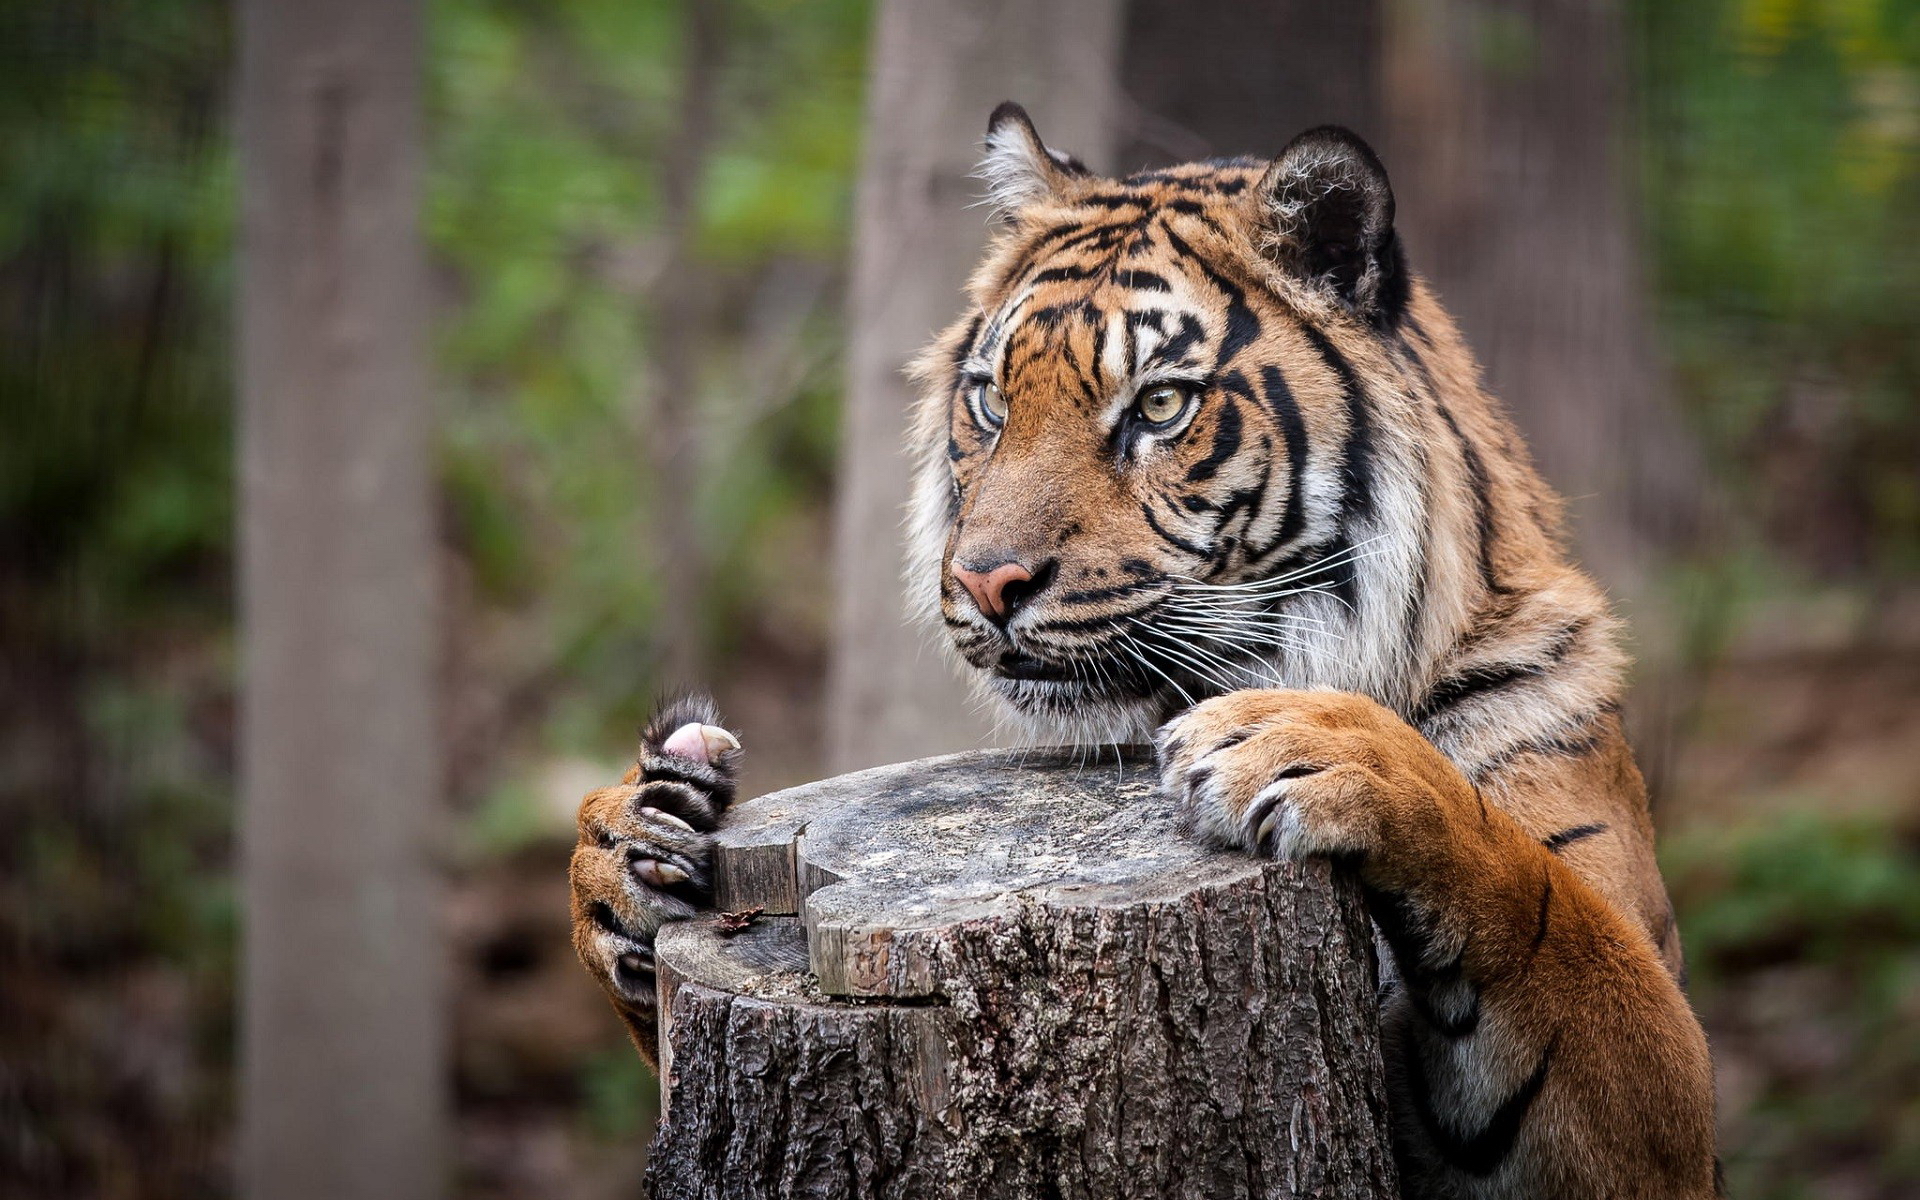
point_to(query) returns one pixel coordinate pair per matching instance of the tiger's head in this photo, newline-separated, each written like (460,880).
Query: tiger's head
(1150,454)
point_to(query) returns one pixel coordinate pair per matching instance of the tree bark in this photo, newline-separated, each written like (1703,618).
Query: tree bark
(938,70)
(1013,976)
(341,1037)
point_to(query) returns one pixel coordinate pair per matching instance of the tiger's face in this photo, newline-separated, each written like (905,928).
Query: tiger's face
(1121,477)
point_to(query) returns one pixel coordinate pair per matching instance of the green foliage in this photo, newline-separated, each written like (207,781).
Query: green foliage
(115,220)
(1782,168)
(550,128)
(1833,891)
(621,1096)
(116,915)
(1803,937)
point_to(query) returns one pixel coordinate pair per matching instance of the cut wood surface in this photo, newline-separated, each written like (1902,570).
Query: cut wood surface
(1011,975)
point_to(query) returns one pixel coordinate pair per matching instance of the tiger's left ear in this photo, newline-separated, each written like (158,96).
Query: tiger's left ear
(1018,167)
(1326,218)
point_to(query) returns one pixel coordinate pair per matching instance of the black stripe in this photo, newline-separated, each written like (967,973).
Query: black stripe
(1099,594)
(1474,681)
(1546,908)
(1408,931)
(1051,316)
(1231,740)
(1567,837)
(671,769)
(1478,1154)
(1478,681)
(1054,239)
(1142,281)
(1092,624)
(1226,443)
(1089,380)
(1242,325)
(1409,934)
(1255,496)
(1173,350)
(1146,510)
(1559,745)
(1482,490)
(964,350)
(1114,200)
(1063,274)
(1358,467)
(1293,429)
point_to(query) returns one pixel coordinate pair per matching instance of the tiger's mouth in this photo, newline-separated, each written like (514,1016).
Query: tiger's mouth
(1016,664)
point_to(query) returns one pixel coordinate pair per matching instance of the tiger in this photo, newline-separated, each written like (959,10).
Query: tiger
(1205,464)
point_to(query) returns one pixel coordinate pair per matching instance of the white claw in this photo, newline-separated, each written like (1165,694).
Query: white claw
(701,743)
(1266,827)
(654,873)
(654,814)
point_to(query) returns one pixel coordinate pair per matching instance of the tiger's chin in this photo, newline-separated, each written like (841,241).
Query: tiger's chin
(1073,711)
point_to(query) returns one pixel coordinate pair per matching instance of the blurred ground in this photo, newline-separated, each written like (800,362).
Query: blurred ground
(1791,845)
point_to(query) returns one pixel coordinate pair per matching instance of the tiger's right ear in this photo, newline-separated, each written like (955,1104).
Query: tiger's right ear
(1018,168)
(1326,211)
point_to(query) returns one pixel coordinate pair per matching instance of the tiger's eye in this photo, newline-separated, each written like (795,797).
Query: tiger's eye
(993,401)
(1161,404)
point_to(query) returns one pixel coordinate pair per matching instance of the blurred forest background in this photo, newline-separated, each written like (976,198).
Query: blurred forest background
(636,482)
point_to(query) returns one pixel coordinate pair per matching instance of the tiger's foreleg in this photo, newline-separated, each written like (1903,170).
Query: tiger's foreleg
(645,855)
(1536,1045)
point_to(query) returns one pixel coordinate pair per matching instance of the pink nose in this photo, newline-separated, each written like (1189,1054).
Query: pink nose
(997,590)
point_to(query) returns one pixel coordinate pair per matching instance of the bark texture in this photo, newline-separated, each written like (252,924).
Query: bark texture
(1012,976)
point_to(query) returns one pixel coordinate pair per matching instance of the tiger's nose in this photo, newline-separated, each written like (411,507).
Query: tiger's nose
(1000,590)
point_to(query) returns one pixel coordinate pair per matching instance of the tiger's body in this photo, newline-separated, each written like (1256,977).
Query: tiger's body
(1205,463)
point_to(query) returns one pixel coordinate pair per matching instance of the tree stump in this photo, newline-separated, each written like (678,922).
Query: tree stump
(1005,975)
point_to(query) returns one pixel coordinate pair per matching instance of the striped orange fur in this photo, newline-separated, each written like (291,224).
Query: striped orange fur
(1205,461)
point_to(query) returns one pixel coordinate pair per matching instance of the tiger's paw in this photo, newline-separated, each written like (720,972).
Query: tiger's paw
(1298,773)
(644,856)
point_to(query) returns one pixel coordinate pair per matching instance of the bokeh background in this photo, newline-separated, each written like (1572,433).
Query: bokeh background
(1729,190)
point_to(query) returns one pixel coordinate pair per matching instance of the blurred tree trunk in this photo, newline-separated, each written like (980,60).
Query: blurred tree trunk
(675,314)
(341,1044)
(1294,64)
(938,68)
(1510,157)
(1516,189)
